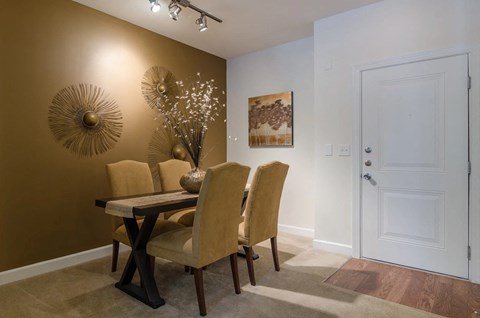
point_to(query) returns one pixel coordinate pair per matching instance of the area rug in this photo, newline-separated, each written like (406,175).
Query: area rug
(298,290)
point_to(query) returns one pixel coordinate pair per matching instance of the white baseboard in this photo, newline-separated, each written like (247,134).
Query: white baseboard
(301,231)
(333,247)
(56,264)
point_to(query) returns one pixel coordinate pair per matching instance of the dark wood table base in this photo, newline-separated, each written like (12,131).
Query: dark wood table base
(147,292)
(138,293)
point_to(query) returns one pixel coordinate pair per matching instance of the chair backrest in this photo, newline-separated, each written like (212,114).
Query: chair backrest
(170,172)
(128,177)
(263,202)
(215,228)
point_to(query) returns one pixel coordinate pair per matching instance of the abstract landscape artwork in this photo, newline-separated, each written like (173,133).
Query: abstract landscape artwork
(270,120)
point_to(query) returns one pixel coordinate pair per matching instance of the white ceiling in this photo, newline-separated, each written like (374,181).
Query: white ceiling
(248,25)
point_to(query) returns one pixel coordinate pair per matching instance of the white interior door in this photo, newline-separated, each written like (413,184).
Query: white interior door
(415,152)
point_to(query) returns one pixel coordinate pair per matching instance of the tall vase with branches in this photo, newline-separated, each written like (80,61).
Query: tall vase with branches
(189,114)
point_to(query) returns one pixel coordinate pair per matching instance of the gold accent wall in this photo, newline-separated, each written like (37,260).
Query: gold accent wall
(47,193)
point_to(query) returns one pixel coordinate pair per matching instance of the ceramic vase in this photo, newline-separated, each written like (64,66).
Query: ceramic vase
(192,180)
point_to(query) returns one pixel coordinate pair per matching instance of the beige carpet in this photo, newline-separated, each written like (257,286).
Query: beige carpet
(297,290)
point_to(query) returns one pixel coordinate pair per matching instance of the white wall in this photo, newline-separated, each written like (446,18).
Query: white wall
(320,71)
(387,29)
(287,67)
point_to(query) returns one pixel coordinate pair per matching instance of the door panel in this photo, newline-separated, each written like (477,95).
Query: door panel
(419,146)
(397,208)
(415,205)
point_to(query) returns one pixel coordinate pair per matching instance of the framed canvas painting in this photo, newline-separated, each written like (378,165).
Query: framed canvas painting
(270,120)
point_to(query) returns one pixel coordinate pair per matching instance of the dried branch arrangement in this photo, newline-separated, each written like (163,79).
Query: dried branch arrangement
(188,114)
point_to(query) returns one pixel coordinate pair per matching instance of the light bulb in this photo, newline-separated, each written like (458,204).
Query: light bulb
(155,6)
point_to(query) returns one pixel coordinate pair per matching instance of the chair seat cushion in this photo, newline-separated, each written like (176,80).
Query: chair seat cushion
(175,245)
(185,216)
(161,226)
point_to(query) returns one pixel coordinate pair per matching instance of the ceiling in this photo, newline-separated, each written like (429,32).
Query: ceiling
(248,25)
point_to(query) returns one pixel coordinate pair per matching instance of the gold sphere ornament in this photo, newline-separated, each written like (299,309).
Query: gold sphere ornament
(90,119)
(178,152)
(161,88)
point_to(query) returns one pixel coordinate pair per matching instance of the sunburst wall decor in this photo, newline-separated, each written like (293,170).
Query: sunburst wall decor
(84,120)
(162,147)
(158,86)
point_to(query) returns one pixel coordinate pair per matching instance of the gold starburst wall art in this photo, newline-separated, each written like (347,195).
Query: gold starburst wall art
(85,120)
(163,146)
(159,88)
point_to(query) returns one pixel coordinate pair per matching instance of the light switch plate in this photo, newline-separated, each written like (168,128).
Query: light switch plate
(328,150)
(344,150)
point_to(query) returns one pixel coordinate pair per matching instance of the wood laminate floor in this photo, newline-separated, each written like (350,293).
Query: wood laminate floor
(433,293)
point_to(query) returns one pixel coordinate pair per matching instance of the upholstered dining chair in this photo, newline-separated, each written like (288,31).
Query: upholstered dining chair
(214,233)
(261,212)
(128,177)
(170,172)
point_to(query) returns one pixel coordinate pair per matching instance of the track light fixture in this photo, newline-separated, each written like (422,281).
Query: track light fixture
(202,23)
(154,5)
(174,10)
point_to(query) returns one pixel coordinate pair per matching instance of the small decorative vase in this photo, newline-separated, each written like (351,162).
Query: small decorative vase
(192,180)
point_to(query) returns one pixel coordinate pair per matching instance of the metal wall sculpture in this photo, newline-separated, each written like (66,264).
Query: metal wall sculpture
(159,86)
(162,147)
(84,120)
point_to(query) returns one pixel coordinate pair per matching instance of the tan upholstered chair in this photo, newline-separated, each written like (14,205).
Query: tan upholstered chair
(170,172)
(261,212)
(130,177)
(214,233)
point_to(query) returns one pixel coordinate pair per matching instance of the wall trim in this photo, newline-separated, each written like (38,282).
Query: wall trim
(474,149)
(28,271)
(301,231)
(333,247)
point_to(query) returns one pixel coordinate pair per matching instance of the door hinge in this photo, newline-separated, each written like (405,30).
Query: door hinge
(469,82)
(469,168)
(469,253)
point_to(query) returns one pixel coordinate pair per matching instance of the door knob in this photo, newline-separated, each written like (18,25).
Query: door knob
(368,163)
(367,176)
(368,149)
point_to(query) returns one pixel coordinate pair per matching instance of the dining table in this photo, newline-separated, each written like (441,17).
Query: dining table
(149,206)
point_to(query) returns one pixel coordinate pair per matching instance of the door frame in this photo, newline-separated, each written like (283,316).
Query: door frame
(473,53)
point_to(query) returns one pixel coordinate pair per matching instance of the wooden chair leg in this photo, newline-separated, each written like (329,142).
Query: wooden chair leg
(115,247)
(198,275)
(273,242)
(248,257)
(234,266)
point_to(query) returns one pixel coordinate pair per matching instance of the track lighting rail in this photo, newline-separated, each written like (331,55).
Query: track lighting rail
(174,8)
